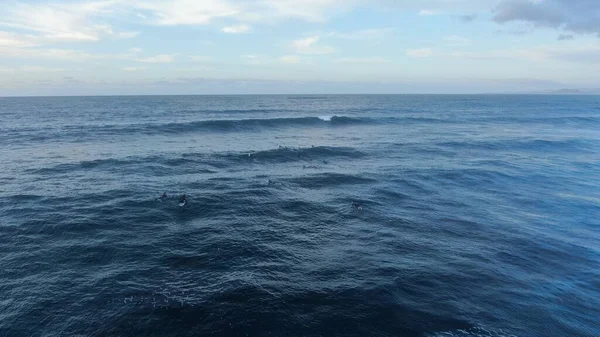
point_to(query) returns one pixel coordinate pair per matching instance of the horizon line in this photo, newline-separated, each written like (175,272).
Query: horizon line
(320,94)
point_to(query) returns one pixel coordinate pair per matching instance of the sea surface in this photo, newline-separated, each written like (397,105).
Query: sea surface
(479,216)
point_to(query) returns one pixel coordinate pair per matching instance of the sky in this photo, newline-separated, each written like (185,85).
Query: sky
(129,47)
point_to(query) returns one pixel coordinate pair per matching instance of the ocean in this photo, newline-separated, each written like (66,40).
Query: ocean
(424,215)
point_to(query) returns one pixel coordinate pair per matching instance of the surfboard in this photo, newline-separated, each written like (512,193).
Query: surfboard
(181,204)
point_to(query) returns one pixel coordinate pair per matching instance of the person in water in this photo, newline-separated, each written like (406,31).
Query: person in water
(182,199)
(164,196)
(357,205)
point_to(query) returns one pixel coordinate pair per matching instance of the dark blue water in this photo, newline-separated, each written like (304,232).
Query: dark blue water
(480,216)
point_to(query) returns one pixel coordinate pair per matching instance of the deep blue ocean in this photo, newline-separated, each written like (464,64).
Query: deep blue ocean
(479,216)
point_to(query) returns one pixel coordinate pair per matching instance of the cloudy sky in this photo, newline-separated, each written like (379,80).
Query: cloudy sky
(79,47)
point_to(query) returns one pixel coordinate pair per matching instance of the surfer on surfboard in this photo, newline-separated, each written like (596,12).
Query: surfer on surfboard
(182,200)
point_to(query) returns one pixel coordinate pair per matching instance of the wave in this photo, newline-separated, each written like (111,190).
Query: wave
(204,163)
(285,154)
(524,144)
(329,180)
(237,111)
(230,125)
(559,120)
(309,155)
(78,133)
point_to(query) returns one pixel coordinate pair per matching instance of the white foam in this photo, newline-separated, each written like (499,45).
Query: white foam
(326,118)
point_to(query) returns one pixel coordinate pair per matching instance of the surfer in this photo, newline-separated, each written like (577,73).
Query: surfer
(357,205)
(164,196)
(182,199)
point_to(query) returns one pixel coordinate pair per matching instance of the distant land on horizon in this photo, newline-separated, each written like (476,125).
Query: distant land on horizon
(564,91)
(577,91)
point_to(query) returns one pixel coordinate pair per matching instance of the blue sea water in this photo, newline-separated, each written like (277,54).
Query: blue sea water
(480,217)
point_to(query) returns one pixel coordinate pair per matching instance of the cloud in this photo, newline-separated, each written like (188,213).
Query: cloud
(43,53)
(126,35)
(514,54)
(518,31)
(576,16)
(33,69)
(253,59)
(185,12)
(289,59)
(239,29)
(419,53)
(157,59)
(47,22)
(427,12)
(73,22)
(195,12)
(8,39)
(310,46)
(439,5)
(467,18)
(86,20)
(565,37)
(306,42)
(307,10)
(71,55)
